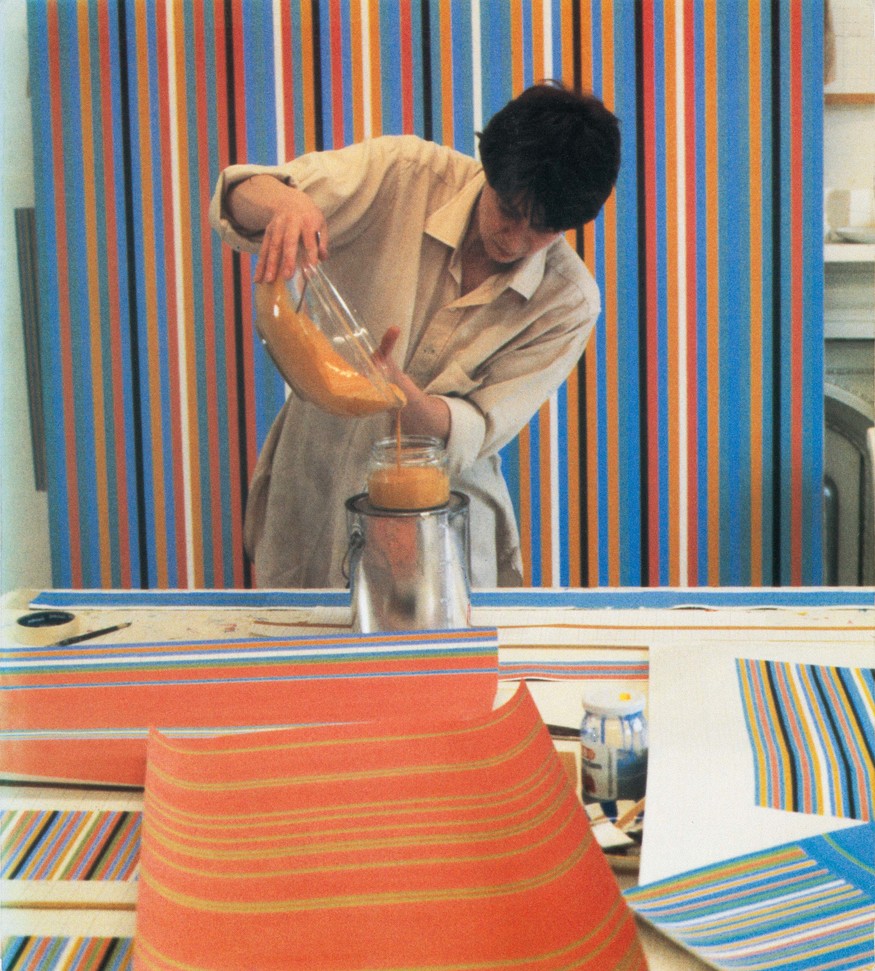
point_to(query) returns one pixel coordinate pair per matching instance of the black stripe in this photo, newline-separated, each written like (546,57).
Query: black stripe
(15,955)
(33,845)
(79,786)
(131,272)
(777,276)
(108,844)
(242,333)
(114,944)
(644,578)
(427,115)
(317,76)
(782,728)
(577,68)
(826,706)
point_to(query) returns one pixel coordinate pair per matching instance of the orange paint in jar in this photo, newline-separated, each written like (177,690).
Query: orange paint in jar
(408,472)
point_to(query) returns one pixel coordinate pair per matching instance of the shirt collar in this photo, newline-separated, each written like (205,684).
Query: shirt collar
(449,224)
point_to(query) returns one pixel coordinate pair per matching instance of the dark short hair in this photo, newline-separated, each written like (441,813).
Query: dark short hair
(556,150)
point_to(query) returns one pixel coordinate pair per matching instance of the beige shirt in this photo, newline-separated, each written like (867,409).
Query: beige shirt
(397,210)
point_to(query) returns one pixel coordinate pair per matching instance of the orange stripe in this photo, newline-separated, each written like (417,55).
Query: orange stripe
(713,311)
(525,464)
(446,12)
(516,46)
(565,42)
(545,474)
(538,39)
(357,62)
(376,68)
(671,278)
(756,298)
(307,68)
(99,472)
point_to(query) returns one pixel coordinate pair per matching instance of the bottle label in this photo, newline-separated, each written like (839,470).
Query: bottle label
(610,773)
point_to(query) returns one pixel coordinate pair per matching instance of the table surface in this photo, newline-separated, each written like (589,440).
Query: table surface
(542,625)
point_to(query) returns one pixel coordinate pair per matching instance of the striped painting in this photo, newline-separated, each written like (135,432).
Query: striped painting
(800,907)
(686,448)
(67,953)
(84,715)
(812,735)
(68,845)
(420,845)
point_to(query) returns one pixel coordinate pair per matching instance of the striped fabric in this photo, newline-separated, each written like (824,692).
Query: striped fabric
(588,670)
(82,712)
(808,906)
(456,844)
(68,845)
(67,953)
(687,447)
(812,735)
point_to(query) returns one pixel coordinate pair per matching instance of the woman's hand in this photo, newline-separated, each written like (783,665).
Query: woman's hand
(424,414)
(291,222)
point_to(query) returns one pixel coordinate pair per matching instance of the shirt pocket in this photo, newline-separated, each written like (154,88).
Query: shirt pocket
(453,380)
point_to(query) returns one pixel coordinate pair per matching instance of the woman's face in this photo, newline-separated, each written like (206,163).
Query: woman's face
(506,230)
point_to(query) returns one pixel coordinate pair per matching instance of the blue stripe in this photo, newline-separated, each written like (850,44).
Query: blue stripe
(390,64)
(49,310)
(463,74)
(734,270)
(631,598)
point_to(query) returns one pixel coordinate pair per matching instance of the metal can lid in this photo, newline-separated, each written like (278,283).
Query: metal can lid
(613,702)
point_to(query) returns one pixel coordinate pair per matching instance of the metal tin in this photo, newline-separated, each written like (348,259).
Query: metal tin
(408,569)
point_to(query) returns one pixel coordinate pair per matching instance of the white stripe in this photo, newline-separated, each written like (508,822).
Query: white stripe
(182,320)
(556,537)
(159,660)
(279,83)
(548,41)
(476,76)
(821,760)
(778,944)
(683,443)
(747,909)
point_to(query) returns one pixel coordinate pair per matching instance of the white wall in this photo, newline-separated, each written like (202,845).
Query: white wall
(24,533)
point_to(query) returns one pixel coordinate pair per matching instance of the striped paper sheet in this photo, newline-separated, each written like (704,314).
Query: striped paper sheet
(456,844)
(812,732)
(67,953)
(83,712)
(62,845)
(806,906)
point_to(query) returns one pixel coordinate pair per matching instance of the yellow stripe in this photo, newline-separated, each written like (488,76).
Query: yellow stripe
(386,898)
(618,915)
(400,807)
(252,785)
(319,842)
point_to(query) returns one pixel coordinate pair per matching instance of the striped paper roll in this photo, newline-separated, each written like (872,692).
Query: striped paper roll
(685,450)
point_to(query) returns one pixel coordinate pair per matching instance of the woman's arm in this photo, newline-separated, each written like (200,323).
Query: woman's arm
(290,221)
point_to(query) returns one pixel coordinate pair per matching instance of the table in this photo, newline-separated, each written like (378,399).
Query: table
(619,634)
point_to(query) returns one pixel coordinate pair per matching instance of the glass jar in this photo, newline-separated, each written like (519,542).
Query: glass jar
(408,472)
(613,741)
(325,355)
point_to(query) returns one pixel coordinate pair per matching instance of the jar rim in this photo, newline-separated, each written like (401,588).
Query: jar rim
(610,703)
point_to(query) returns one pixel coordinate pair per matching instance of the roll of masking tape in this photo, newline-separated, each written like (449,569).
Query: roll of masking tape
(43,627)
